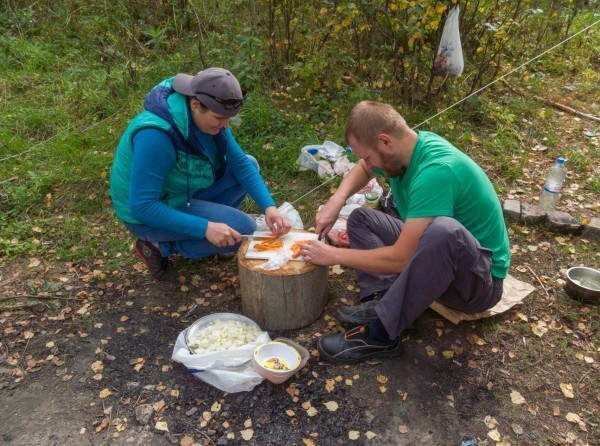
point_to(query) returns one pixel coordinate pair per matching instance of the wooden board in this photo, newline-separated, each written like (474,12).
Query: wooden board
(288,240)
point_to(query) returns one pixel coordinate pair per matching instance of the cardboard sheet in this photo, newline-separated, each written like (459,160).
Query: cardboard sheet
(288,240)
(514,292)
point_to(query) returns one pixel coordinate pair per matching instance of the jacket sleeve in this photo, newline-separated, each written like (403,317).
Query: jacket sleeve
(247,175)
(153,158)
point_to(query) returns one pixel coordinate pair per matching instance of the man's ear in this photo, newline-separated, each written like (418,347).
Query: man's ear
(385,139)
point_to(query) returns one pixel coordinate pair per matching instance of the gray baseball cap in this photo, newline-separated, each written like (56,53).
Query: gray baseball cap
(216,88)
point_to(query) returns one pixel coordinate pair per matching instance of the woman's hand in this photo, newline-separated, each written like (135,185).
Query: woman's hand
(221,235)
(318,253)
(276,222)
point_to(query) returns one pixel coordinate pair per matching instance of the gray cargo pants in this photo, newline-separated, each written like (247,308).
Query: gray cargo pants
(449,264)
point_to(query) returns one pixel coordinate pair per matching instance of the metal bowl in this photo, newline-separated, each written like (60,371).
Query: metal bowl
(583,284)
(192,330)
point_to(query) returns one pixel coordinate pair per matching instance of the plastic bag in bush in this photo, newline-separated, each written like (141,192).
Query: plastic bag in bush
(319,158)
(449,60)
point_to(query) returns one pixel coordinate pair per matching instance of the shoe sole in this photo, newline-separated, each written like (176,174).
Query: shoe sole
(139,254)
(387,354)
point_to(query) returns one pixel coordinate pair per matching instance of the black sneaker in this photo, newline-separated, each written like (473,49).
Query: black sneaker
(159,267)
(356,346)
(359,314)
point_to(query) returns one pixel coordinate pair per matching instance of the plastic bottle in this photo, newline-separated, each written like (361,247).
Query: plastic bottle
(554,183)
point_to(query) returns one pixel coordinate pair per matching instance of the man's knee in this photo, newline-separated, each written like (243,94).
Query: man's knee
(357,217)
(443,230)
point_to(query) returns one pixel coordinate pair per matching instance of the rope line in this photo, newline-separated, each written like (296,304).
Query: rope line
(474,93)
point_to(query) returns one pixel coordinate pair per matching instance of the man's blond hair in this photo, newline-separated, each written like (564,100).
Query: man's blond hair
(368,119)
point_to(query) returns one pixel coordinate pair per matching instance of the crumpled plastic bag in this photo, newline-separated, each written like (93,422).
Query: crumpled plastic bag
(320,158)
(230,371)
(288,211)
(281,258)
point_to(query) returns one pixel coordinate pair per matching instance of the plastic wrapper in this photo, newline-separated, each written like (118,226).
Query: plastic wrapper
(288,211)
(281,258)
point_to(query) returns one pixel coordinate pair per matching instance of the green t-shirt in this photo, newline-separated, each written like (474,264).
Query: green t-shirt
(442,181)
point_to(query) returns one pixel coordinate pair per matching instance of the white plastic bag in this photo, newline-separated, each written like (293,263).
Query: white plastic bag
(288,211)
(230,370)
(319,158)
(449,60)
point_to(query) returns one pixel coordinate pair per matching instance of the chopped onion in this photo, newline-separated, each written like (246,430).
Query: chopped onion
(218,336)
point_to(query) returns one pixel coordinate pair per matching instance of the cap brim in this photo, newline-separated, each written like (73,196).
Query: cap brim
(182,83)
(216,107)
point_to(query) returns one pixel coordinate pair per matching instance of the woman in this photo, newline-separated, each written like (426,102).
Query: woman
(179,176)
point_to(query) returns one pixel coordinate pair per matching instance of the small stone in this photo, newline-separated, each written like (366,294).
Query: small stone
(131,386)
(532,213)
(592,229)
(512,209)
(143,413)
(222,441)
(562,222)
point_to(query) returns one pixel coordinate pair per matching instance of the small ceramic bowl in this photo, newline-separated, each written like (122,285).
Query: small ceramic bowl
(583,284)
(277,357)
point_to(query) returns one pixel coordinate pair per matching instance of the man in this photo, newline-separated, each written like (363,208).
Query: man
(179,175)
(450,242)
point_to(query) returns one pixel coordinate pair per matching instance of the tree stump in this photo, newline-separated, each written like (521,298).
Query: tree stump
(293,296)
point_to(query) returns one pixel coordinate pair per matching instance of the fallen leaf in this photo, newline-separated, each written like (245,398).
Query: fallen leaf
(539,328)
(290,413)
(215,407)
(474,339)
(97,367)
(161,426)
(448,354)
(311,412)
(402,429)
(104,393)
(353,435)
(567,390)
(382,379)
(186,440)
(308,442)
(516,398)
(102,425)
(329,385)
(247,434)
(370,434)
(331,405)
(490,422)
(495,435)
(382,389)
(573,418)
(430,351)
(248,423)
(517,429)
(555,411)
(159,405)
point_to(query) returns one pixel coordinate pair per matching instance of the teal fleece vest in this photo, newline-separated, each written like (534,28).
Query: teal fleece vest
(166,110)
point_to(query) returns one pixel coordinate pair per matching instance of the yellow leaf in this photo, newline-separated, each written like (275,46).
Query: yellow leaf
(516,398)
(494,435)
(474,339)
(402,429)
(331,405)
(382,389)
(353,435)
(215,407)
(539,328)
(104,393)
(311,412)
(573,418)
(308,441)
(290,413)
(329,385)
(448,354)
(370,435)
(430,351)
(382,379)
(567,390)
(247,434)
(161,426)
(97,367)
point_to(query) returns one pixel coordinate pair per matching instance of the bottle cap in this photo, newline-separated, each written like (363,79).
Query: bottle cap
(560,160)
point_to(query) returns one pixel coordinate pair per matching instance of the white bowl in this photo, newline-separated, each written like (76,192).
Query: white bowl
(277,357)
(192,330)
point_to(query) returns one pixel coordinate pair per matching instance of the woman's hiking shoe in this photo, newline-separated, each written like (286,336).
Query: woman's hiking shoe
(159,267)
(355,346)
(358,314)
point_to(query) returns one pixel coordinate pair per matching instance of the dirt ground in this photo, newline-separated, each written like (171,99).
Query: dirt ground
(53,391)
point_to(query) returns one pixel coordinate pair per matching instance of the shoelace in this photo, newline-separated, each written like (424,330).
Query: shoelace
(357,330)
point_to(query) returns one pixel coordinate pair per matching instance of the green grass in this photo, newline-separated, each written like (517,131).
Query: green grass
(72,80)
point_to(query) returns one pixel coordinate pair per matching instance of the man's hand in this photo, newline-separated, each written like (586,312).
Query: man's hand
(277,223)
(221,235)
(326,218)
(318,253)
